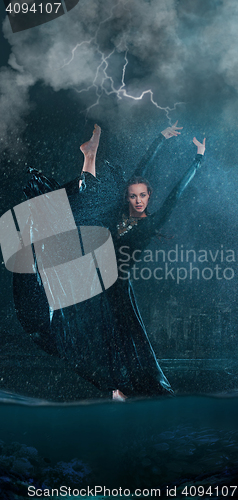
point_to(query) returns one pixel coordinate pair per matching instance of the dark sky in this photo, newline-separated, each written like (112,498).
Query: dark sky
(5,48)
(175,51)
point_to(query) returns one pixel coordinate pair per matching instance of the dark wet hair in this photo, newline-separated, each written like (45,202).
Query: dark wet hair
(135,180)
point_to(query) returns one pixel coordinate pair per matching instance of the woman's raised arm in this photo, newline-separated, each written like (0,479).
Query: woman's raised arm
(148,158)
(141,233)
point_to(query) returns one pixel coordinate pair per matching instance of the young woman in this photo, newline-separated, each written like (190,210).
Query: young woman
(104,338)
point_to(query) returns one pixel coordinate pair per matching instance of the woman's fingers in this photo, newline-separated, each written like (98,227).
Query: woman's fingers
(197,143)
(171,131)
(175,126)
(200,146)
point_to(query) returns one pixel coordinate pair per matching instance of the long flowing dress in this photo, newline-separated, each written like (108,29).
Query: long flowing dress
(103,338)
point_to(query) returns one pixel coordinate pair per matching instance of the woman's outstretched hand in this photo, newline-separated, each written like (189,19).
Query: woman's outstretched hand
(171,131)
(200,146)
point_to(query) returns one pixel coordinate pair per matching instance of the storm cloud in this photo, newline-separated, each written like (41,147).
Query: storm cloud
(111,52)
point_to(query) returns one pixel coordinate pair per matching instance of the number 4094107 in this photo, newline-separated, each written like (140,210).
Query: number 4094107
(16,8)
(212,491)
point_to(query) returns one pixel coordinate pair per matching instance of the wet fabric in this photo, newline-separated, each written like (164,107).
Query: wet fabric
(103,338)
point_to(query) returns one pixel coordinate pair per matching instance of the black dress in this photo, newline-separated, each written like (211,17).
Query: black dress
(103,338)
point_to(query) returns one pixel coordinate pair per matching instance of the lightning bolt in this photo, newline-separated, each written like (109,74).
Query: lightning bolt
(102,75)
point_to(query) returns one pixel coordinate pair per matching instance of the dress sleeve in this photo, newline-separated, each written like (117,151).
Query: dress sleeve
(39,184)
(148,158)
(139,236)
(159,218)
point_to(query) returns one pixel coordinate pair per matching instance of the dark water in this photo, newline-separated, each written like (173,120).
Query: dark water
(138,444)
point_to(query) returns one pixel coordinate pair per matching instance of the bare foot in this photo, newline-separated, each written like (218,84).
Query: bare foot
(118,396)
(90,148)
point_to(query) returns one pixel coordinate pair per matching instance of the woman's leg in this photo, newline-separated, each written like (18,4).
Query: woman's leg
(89,149)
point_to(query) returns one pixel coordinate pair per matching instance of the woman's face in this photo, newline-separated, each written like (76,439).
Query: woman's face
(138,198)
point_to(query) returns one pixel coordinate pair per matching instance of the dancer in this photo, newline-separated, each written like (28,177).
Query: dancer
(104,338)
(135,231)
